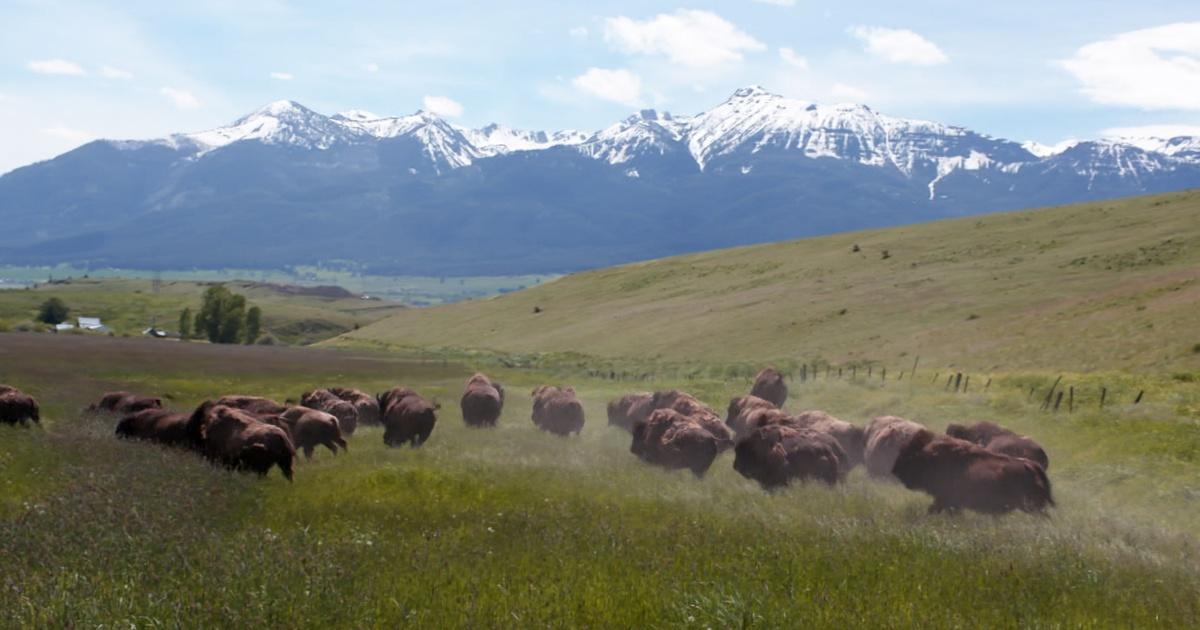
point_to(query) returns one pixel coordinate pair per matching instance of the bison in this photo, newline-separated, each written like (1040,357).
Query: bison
(672,440)
(307,428)
(124,402)
(886,435)
(998,439)
(482,401)
(240,441)
(557,410)
(851,438)
(17,407)
(699,412)
(407,417)
(327,401)
(256,405)
(736,415)
(625,411)
(776,454)
(769,385)
(365,405)
(959,474)
(155,425)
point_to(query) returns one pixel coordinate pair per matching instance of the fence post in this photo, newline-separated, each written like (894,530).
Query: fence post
(987,384)
(967,384)
(804,373)
(1071,400)
(1103,395)
(1057,401)
(957,381)
(1139,397)
(868,370)
(949,381)
(1050,394)
(935,377)
(883,375)
(913,373)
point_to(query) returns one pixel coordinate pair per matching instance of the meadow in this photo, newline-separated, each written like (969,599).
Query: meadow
(515,528)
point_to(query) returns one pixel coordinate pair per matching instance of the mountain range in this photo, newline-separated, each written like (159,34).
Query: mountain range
(415,194)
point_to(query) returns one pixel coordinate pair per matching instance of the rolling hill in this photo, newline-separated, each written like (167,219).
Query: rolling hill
(1105,285)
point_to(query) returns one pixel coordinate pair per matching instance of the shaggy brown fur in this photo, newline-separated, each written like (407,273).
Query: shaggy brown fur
(364,404)
(777,454)
(628,409)
(886,435)
(699,412)
(959,474)
(124,402)
(155,425)
(409,419)
(852,439)
(769,385)
(308,428)
(482,401)
(238,440)
(327,401)
(17,407)
(557,410)
(256,405)
(672,440)
(998,439)
(739,408)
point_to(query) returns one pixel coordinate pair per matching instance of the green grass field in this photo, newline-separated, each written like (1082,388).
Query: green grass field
(1111,285)
(128,306)
(514,528)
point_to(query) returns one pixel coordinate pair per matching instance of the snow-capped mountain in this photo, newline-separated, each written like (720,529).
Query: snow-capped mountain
(417,194)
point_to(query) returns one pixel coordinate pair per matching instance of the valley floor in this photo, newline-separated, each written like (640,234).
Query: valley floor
(512,527)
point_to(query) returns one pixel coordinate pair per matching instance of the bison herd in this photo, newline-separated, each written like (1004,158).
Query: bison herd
(982,466)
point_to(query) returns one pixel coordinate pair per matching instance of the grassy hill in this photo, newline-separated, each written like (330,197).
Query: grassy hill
(295,315)
(1106,285)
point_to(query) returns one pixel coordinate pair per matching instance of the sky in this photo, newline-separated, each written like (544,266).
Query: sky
(75,71)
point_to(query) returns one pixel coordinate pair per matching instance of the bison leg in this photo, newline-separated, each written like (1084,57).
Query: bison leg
(329,444)
(342,443)
(308,451)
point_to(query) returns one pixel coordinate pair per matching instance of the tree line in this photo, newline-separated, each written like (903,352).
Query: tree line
(222,318)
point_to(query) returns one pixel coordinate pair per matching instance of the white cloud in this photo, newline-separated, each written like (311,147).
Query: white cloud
(443,106)
(778,3)
(841,90)
(697,39)
(619,86)
(898,45)
(63,132)
(109,72)
(579,32)
(1153,68)
(371,67)
(56,66)
(182,98)
(282,76)
(790,57)
(1152,131)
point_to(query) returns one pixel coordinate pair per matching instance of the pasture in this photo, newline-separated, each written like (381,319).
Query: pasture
(516,528)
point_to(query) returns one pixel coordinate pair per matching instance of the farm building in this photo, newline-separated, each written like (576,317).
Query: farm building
(92,324)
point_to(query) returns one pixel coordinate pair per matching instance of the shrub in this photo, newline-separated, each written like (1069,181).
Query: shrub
(53,311)
(267,340)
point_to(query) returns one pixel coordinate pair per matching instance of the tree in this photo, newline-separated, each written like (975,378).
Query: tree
(222,315)
(185,323)
(253,324)
(53,311)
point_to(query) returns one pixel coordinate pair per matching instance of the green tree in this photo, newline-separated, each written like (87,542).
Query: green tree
(222,315)
(253,324)
(53,311)
(185,323)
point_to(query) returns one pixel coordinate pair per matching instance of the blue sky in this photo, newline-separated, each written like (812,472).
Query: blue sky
(1046,71)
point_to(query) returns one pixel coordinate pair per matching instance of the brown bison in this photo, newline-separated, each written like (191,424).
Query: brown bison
(998,439)
(557,410)
(699,412)
(124,402)
(776,454)
(307,428)
(155,425)
(238,440)
(482,401)
(852,439)
(407,417)
(625,411)
(736,415)
(364,404)
(769,385)
(256,405)
(886,435)
(325,400)
(17,407)
(672,440)
(959,474)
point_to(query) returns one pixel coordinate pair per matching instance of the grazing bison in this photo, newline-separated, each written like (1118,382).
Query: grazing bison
(4,389)
(672,440)
(155,425)
(769,385)
(17,407)
(886,435)
(407,417)
(557,410)
(851,438)
(998,439)
(776,454)
(625,411)
(256,405)
(238,440)
(699,412)
(307,428)
(482,401)
(125,402)
(364,404)
(327,401)
(959,474)
(739,408)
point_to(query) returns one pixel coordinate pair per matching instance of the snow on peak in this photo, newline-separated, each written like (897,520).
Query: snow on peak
(279,122)
(356,115)
(1046,150)
(495,139)
(751,91)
